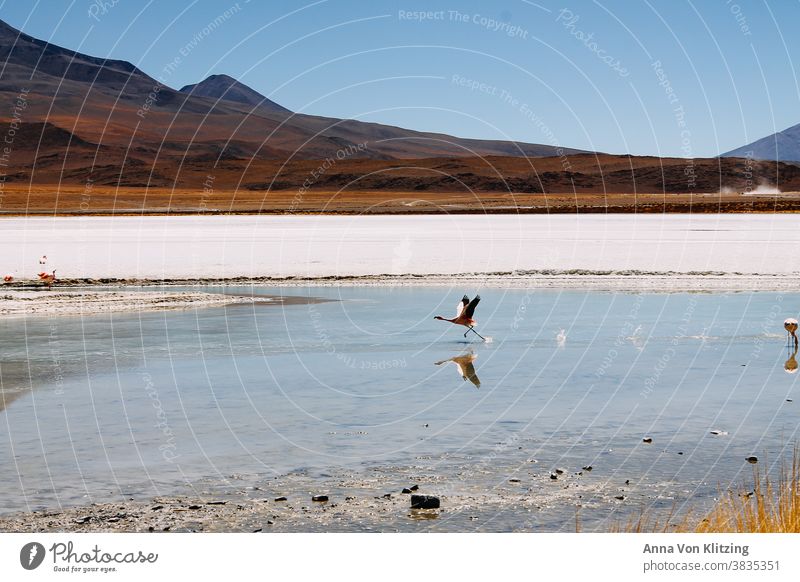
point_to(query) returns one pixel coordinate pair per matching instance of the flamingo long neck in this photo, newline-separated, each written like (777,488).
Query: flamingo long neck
(445,319)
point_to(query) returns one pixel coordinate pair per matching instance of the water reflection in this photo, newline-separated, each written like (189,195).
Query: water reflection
(791,364)
(465,367)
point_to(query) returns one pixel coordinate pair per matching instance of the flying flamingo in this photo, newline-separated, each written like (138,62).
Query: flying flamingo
(465,368)
(790,325)
(48,278)
(464,312)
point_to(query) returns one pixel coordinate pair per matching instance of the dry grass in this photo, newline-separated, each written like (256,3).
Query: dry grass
(771,505)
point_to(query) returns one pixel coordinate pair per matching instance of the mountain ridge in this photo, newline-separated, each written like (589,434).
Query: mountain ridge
(781,146)
(114,105)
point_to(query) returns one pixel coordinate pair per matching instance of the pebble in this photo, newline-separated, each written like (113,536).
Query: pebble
(195,506)
(319,498)
(424,502)
(387,496)
(619,497)
(587,468)
(281,498)
(752,460)
(84,519)
(560,471)
(406,490)
(414,487)
(513,480)
(553,476)
(216,503)
(647,440)
(156,507)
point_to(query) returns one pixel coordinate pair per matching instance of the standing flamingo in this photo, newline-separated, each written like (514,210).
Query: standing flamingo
(464,311)
(790,325)
(48,278)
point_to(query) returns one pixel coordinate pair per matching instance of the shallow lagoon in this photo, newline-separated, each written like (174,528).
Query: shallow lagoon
(138,405)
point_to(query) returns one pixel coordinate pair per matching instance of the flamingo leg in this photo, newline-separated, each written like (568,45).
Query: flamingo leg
(472,329)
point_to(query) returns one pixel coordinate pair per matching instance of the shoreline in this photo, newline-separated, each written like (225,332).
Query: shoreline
(566,279)
(95,296)
(24,301)
(355,501)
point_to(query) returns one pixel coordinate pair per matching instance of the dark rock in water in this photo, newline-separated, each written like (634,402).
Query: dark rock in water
(156,507)
(151,528)
(195,506)
(680,452)
(281,498)
(258,530)
(647,440)
(319,498)
(414,487)
(424,502)
(216,502)
(513,480)
(349,498)
(587,468)
(84,519)
(752,460)
(560,471)
(553,476)
(387,496)
(619,497)
(789,400)
(406,490)
(627,481)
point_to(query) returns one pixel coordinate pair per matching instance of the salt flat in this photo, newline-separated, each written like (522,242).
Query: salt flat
(200,247)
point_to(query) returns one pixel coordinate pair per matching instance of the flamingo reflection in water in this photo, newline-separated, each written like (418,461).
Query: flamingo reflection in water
(465,367)
(791,364)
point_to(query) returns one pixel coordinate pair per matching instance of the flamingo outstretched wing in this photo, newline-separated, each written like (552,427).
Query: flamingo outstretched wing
(469,374)
(470,310)
(461,305)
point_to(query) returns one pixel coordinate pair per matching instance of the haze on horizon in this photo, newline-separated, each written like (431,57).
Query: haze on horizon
(658,78)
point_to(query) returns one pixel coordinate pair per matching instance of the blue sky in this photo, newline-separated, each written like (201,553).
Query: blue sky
(649,78)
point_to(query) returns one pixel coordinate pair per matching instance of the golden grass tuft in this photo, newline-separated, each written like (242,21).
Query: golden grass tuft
(770,507)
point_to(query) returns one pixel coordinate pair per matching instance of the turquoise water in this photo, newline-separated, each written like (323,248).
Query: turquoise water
(111,406)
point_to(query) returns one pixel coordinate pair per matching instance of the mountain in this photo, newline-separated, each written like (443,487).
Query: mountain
(783,146)
(229,89)
(90,116)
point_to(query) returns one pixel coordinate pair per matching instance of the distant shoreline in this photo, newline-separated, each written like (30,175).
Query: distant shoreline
(25,200)
(565,280)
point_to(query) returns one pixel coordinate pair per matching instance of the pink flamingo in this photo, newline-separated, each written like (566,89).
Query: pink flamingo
(464,312)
